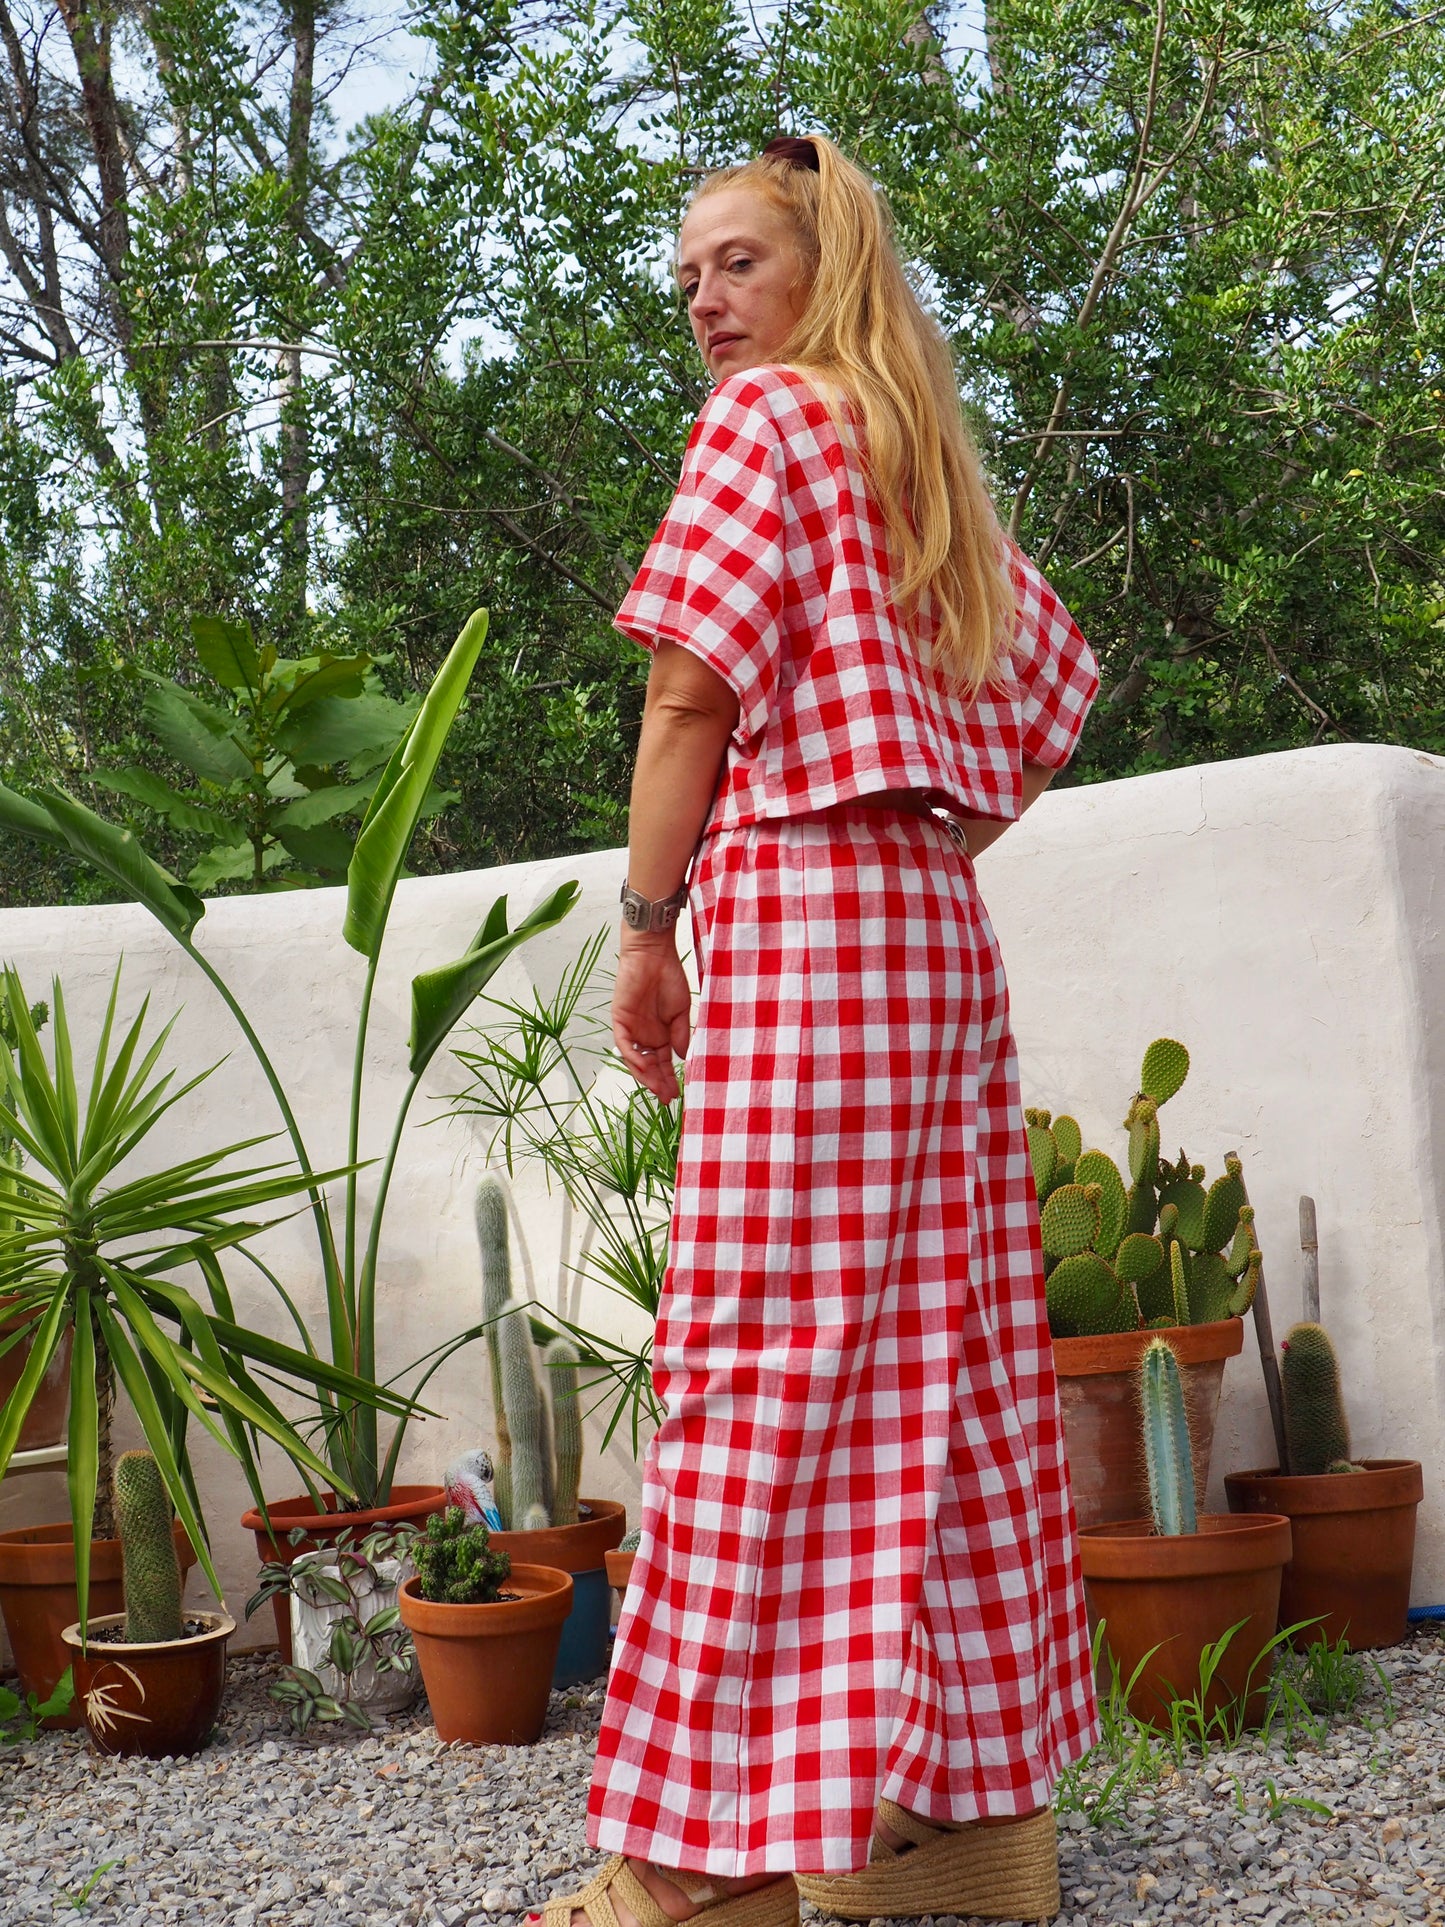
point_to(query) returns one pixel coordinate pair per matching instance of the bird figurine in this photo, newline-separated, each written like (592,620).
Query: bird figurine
(468,1482)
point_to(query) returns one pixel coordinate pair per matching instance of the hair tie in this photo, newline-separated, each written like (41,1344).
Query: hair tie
(797,152)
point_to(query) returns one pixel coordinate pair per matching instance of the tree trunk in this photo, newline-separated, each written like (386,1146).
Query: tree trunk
(104,1527)
(295,431)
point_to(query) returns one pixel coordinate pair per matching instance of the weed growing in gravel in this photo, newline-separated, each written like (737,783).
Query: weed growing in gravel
(80,1899)
(1309,1693)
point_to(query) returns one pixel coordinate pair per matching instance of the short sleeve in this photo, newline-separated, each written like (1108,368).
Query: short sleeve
(1058,676)
(712,578)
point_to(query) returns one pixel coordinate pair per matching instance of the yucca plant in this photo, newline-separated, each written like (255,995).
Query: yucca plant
(355,1464)
(85,1249)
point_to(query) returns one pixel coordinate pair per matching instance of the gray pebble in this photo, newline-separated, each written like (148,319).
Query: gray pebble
(267,1830)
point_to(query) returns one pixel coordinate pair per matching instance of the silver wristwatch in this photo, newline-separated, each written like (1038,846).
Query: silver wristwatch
(642,913)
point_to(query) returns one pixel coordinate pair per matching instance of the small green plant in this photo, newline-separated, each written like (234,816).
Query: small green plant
(150,1569)
(80,1899)
(1162,1250)
(1132,1753)
(1127,1756)
(1317,1433)
(357,1648)
(455,1564)
(1278,1802)
(20,1718)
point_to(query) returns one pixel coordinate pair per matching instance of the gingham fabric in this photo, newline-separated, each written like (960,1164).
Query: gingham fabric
(771,565)
(858,1573)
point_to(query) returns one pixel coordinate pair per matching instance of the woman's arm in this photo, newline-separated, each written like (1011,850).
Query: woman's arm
(983,830)
(689,715)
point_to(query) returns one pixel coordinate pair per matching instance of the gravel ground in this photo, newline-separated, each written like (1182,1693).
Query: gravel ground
(396,1830)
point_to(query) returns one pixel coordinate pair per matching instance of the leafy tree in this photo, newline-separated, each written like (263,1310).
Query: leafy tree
(345,384)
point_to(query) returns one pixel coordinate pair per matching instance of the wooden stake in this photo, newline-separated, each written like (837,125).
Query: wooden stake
(1269,1364)
(1309,1240)
(1264,1336)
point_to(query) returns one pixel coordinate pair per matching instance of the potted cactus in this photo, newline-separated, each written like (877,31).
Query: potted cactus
(1353,1520)
(538,1463)
(1170,1585)
(1165,1252)
(486,1632)
(148,1680)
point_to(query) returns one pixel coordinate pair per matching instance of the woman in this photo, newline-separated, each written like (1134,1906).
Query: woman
(856,1610)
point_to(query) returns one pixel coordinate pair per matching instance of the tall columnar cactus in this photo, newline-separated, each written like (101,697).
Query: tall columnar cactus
(560,1359)
(493,1238)
(1167,1453)
(151,1572)
(1317,1434)
(527,1421)
(1165,1250)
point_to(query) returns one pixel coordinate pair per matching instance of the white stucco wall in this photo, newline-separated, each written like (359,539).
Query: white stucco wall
(1282,915)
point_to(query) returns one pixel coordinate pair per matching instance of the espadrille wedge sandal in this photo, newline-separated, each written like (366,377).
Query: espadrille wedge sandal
(775,1905)
(994,1873)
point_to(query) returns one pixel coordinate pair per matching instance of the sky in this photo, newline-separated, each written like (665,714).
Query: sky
(384,75)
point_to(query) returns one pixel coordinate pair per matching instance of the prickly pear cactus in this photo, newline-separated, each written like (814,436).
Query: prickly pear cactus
(1176,1248)
(1069,1221)
(1165,1067)
(151,1572)
(1317,1434)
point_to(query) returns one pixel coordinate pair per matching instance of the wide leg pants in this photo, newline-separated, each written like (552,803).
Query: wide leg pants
(858,1572)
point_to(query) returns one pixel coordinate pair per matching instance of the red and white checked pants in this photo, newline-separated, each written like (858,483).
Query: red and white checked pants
(858,1573)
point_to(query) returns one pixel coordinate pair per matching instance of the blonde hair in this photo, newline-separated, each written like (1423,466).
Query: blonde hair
(865,333)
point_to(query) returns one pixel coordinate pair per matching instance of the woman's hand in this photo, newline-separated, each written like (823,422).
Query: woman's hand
(651,1010)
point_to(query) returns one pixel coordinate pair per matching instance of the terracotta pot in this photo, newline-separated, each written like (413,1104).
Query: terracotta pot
(1097,1391)
(38,1599)
(583,1550)
(619,1569)
(45,1421)
(1180,1593)
(415,1503)
(488,1669)
(1354,1547)
(156,1699)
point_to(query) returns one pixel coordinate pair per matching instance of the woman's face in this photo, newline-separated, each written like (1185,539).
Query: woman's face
(739,269)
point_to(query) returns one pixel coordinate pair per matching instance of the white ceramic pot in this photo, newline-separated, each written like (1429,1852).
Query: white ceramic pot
(311,1627)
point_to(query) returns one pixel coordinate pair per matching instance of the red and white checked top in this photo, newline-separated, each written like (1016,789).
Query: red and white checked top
(772,566)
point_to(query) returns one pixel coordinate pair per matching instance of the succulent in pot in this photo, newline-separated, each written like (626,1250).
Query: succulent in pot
(1163,1251)
(486,1632)
(149,1680)
(1168,1587)
(1352,1520)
